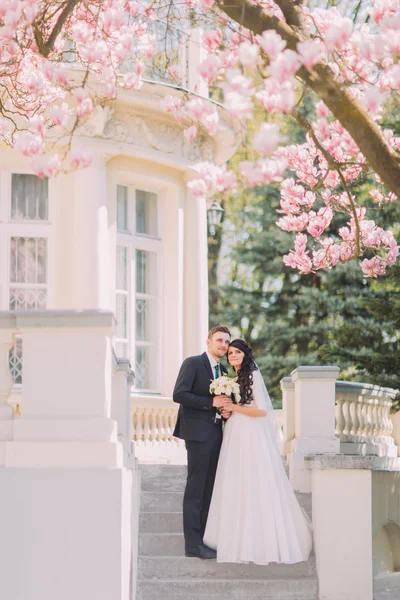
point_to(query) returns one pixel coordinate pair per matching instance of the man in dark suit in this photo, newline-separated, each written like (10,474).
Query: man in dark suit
(200,425)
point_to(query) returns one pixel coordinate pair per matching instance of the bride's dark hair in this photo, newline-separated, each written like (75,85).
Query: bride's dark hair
(245,374)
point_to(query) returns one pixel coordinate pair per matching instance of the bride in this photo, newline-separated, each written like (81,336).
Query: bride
(254,514)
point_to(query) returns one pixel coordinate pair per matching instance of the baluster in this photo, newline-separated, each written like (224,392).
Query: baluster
(389,422)
(138,424)
(154,424)
(360,416)
(355,422)
(368,420)
(339,417)
(146,425)
(168,425)
(374,420)
(162,434)
(380,420)
(347,419)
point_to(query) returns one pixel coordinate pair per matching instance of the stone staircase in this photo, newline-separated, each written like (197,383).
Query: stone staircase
(164,573)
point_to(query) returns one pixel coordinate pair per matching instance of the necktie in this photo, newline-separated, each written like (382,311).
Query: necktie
(216,367)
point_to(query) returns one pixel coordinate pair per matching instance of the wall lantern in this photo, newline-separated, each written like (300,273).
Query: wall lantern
(215,213)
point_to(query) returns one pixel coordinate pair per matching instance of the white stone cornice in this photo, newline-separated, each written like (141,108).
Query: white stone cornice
(56,318)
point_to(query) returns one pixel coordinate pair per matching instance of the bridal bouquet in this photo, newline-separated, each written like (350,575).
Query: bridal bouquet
(225,385)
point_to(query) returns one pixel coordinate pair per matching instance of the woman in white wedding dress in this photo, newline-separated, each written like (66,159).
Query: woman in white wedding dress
(254,514)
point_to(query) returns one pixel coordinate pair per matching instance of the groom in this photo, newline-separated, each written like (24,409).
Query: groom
(200,426)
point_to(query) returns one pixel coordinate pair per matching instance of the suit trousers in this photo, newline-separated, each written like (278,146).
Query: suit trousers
(202,467)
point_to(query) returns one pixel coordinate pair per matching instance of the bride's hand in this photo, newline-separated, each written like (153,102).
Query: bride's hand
(228,406)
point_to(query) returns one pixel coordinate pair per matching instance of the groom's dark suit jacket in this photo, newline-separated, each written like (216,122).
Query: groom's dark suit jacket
(192,391)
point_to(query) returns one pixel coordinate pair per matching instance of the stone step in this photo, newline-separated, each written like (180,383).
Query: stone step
(158,522)
(163,501)
(220,589)
(161,544)
(180,567)
(170,478)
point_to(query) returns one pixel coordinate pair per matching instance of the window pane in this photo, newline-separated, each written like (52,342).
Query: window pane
(15,360)
(122,268)
(146,367)
(146,319)
(122,208)
(146,213)
(29,197)
(146,272)
(28,260)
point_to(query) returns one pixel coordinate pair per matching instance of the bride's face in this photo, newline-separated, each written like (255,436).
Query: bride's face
(235,356)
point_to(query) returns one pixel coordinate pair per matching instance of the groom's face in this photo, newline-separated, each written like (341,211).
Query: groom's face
(218,344)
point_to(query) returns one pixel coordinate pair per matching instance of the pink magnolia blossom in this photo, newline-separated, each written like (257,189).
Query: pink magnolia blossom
(285,66)
(310,52)
(248,54)
(266,139)
(80,159)
(212,39)
(272,44)
(190,134)
(29,144)
(209,68)
(373,267)
(338,33)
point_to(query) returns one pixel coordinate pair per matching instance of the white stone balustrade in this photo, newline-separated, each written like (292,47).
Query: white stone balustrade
(363,421)
(153,422)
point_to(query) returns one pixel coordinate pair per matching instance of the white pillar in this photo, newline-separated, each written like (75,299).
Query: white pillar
(82,274)
(195,54)
(314,389)
(342,524)
(288,410)
(195,275)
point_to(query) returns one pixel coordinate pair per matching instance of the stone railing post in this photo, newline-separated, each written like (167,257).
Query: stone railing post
(7,332)
(314,390)
(123,380)
(67,497)
(288,411)
(342,513)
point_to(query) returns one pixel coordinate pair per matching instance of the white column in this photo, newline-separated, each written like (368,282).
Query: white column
(82,273)
(314,389)
(195,275)
(195,54)
(342,524)
(288,410)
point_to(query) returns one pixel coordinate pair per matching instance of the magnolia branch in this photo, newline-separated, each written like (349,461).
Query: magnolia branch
(321,80)
(337,167)
(45,48)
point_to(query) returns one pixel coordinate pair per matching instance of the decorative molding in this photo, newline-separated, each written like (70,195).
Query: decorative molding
(146,130)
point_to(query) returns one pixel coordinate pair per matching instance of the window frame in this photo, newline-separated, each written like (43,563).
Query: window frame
(28,228)
(139,241)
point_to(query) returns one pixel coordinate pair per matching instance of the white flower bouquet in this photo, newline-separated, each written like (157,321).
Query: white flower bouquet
(225,385)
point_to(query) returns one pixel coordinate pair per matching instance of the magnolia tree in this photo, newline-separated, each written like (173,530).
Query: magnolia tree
(59,59)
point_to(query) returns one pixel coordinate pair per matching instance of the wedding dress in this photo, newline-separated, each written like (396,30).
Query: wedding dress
(254,514)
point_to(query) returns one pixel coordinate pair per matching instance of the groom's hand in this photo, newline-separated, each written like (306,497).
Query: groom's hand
(219,401)
(225,414)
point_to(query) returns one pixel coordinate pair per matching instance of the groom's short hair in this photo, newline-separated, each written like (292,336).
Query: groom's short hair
(216,329)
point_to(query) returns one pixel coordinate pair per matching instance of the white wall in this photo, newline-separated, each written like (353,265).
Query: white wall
(62,534)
